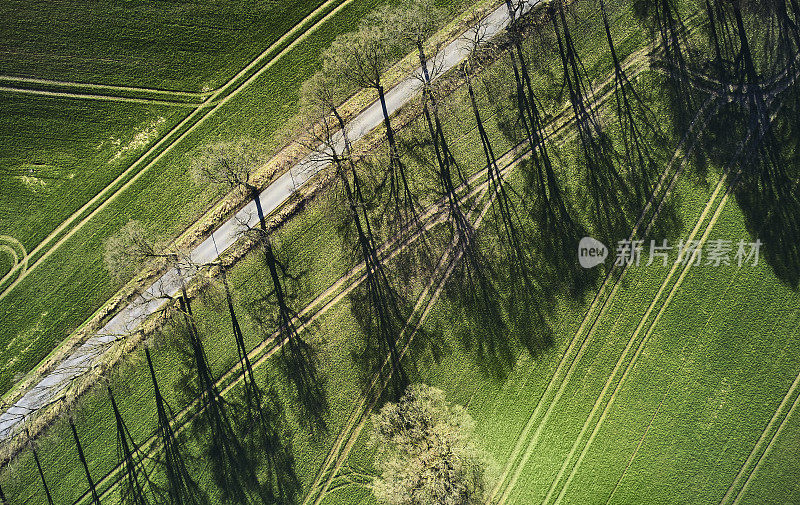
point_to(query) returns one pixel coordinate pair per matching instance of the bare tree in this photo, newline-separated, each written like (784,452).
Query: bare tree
(126,251)
(232,164)
(359,59)
(329,141)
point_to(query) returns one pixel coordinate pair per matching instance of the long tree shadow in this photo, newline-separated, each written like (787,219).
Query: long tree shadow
(233,469)
(268,439)
(673,53)
(760,124)
(477,302)
(298,361)
(381,313)
(180,487)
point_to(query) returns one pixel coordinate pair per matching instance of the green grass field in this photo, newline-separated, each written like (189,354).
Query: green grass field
(173,46)
(674,385)
(63,152)
(70,283)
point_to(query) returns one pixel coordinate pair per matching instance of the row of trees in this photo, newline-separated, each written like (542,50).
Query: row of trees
(247,437)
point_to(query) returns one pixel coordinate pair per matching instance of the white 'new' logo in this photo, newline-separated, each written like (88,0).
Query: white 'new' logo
(591,252)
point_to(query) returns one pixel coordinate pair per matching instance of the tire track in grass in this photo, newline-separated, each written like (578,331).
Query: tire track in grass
(166,143)
(630,362)
(661,404)
(762,438)
(662,190)
(104,98)
(655,414)
(95,87)
(743,491)
(729,190)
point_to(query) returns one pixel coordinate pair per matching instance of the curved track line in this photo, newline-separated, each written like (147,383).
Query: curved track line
(18,252)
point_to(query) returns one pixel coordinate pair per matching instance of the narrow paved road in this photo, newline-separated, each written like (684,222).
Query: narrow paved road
(130,317)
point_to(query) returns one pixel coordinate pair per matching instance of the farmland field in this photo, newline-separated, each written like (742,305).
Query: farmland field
(630,383)
(171,46)
(69,282)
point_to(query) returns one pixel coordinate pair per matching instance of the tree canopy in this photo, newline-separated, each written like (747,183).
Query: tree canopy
(426,454)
